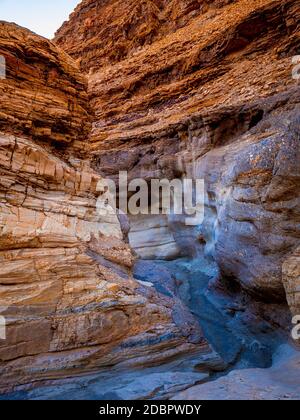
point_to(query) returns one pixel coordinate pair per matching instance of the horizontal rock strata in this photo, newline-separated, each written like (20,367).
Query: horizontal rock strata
(277,383)
(161,89)
(67,292)
(44,95)
(207,93)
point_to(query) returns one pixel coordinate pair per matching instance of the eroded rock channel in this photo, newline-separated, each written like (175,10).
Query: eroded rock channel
(117,307)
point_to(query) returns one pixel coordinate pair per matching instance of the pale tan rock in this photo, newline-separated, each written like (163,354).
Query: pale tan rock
(44,97)
(65,282)
(193,88)
(291,280)
(151,237)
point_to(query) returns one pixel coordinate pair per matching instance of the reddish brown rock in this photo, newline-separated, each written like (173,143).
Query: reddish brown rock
(44,95)
(208,93)
(67,293)
(217,61)
(126,27)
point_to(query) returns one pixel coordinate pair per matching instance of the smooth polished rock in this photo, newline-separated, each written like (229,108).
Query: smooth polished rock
(280,382)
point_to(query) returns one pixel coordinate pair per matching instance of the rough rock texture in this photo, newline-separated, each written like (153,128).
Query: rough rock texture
(281,382)
(151,238)
(66,288)
(161,91)
(207,91)
(291,280)
(175,88)
(151,383)
(44,95)
(243,331)
(126,27)
(254,203)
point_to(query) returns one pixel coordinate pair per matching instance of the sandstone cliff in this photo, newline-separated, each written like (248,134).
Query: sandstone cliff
(163,89)
(66,288)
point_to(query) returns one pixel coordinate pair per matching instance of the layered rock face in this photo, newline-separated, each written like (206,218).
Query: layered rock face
(126,27)
(67,293)
(277,383)
(161,89)
(206,92)
(44,96)
(291,280)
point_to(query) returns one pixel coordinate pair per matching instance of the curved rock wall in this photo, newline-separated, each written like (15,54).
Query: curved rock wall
(254,188)
(67,293)
(208,93)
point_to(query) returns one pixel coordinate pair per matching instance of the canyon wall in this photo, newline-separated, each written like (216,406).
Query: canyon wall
(202,89)
(161,89)
(67,293)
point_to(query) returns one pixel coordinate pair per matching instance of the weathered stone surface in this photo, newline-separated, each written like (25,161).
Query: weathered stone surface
(244,331)
(151,238)
(208,93)
(175,89)
(291,280)
(170,95)
(66,287)
(253,193)
(44,95)
(281,382)
(154,383)
(127,28)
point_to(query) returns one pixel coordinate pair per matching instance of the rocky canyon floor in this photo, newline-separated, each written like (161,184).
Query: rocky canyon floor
(115,306)
(253,359)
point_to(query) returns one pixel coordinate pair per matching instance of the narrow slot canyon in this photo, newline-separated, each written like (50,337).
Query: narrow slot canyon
(119,306)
